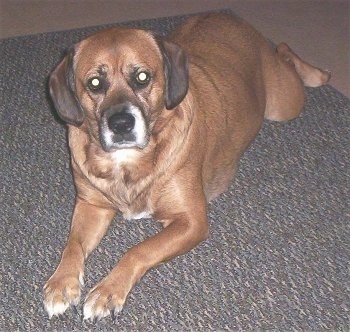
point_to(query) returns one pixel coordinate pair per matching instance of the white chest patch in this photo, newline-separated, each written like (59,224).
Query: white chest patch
(125,156)
(142,215)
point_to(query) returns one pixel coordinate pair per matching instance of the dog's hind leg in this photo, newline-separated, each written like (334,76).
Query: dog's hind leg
(285,81)
(310,75)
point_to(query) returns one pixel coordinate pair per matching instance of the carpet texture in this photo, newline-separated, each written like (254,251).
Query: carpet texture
(278,254)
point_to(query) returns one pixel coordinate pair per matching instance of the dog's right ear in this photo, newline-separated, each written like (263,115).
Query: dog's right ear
(62,91)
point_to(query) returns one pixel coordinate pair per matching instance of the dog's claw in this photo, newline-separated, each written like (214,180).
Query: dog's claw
(75,310)
(113,316)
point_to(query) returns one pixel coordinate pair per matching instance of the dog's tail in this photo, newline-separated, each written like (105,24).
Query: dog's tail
(310,75)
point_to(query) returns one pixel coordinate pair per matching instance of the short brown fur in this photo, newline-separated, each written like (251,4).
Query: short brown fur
(236,79)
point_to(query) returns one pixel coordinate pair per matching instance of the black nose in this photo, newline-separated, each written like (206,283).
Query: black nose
(121,123)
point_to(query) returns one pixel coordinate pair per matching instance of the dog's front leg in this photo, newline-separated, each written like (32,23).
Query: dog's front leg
(89,224)
(185,227)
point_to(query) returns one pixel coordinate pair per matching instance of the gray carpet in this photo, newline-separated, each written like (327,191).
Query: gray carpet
(278,254)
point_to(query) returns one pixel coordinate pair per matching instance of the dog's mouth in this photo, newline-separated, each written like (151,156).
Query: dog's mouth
(123,127)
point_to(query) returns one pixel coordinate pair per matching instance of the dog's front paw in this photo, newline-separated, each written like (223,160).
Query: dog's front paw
(102,301)
(60,292)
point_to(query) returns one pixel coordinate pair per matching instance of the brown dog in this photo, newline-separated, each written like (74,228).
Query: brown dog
(156,128)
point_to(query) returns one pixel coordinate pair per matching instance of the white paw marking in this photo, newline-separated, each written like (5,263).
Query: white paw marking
(54,309)
(57,300)
(96,307)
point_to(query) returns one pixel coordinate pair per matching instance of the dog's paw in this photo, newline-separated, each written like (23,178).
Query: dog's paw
(102,301)
(62,292)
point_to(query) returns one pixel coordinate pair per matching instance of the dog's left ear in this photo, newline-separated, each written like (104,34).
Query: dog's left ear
(176,73)
(62,91)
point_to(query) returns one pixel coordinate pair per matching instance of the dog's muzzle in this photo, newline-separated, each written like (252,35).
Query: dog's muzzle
(123,126)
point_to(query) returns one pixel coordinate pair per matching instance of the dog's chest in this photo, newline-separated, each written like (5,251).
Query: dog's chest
(132,202)
(130,195)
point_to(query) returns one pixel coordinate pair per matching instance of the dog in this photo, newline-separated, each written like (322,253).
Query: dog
(156,128)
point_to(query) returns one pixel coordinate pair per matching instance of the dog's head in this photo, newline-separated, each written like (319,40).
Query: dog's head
(118,82)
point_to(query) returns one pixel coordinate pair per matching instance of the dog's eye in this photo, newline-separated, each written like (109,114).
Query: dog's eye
(142,77)
(95,84)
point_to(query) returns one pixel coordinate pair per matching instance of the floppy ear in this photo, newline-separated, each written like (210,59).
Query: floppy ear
(62,91)
(176,73)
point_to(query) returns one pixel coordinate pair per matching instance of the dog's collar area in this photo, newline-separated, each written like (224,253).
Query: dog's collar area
(126,155)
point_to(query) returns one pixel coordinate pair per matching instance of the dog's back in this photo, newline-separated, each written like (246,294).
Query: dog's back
(237,79)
